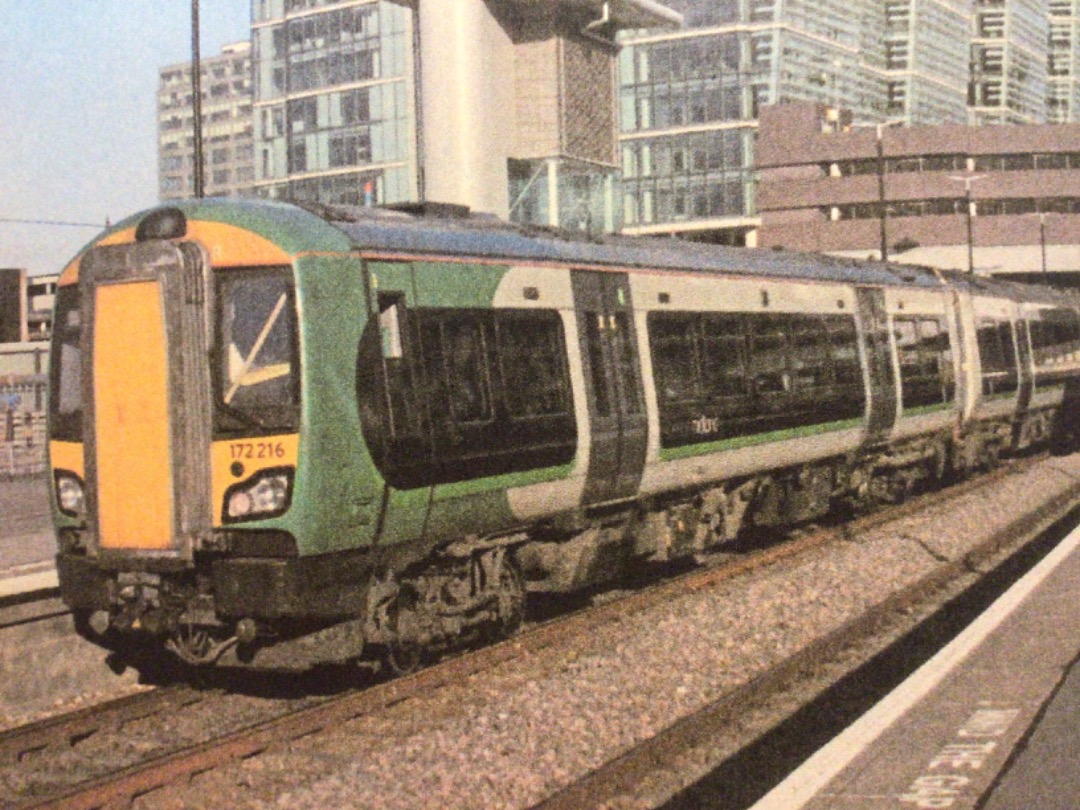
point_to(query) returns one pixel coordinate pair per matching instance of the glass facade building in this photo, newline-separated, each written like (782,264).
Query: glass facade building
(684,105)
(689,100)
(334,101)
(1009,62)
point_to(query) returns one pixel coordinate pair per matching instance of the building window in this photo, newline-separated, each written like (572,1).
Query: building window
(896,55)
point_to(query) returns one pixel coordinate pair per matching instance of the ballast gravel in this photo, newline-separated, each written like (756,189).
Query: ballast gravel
(508,738)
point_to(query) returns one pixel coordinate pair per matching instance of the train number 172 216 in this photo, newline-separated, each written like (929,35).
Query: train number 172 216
(256,450)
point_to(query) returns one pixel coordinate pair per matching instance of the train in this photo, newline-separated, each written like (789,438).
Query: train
(281,433)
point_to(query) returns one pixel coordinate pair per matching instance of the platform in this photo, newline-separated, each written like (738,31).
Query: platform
(27,541)
(990,721)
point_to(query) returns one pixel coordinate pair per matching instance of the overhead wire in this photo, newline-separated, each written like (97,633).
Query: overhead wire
(58,222)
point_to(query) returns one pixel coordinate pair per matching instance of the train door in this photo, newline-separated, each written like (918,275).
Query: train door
(1026,387)
(613,385)
(146,395)
(961,352)
(879,363)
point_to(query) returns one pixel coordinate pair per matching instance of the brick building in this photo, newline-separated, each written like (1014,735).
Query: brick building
(826,185)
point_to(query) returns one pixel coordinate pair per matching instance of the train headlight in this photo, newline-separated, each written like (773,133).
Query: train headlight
(266,494)
(70,496)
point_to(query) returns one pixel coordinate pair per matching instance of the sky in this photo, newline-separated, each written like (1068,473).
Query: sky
(78,125)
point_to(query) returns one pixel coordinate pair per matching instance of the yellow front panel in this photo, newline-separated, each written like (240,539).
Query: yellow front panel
(131,404)
(67,456)
(234,460)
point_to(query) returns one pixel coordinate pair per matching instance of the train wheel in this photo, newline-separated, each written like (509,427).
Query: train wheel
(404,657)
(404,652)
(511,600)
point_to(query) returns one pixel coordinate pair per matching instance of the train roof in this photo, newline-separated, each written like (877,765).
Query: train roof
(449,231)
(1014,290)
(452,230)
(439,230)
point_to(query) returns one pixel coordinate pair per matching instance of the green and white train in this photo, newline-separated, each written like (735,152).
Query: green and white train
(278,433)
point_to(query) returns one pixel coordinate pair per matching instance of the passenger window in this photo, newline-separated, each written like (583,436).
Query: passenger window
(457,374)
(532,358)
(724,356)
(997,356)
(473,393)
(768,355)
(926,373)
(674,352)
(1055,336)
(748,374)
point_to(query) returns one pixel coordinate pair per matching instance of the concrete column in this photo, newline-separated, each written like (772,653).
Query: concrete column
(467,106)
(553,192)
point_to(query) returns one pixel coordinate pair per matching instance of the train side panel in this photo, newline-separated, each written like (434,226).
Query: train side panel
(729,394)
(469,393)
(339,492)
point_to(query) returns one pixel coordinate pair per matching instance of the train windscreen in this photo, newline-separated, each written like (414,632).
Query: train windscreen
(257,381)
(65,399)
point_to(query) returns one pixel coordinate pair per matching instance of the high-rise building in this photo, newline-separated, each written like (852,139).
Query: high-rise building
(228,144)
(926,60)
(689,100)
(335,101)
(1063,65)
(1009,48)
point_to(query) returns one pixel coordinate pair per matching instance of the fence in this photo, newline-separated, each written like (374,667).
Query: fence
(22,425)
(23,386)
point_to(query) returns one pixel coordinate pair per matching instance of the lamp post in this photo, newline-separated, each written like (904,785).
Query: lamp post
(199,181)
(1042,242)
(967,180)
(883,211)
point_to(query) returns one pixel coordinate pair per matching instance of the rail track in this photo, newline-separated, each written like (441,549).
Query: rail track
(27,608)
(31,750)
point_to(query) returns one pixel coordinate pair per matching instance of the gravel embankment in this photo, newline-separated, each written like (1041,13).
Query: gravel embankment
(511,737)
